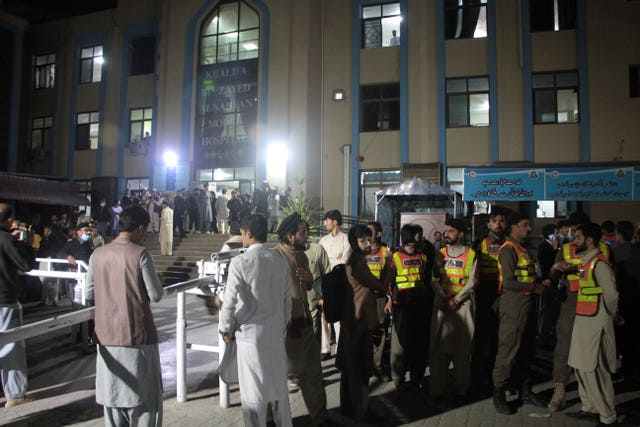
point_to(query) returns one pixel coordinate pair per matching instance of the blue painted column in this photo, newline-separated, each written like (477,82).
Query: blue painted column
(583,76)
(441,90)
(404,84)
(527,69)
(494,153)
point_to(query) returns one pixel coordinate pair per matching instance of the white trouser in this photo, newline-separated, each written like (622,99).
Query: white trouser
(13,361)
(325,343)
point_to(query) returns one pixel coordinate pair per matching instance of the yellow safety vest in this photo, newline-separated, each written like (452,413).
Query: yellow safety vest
(456,270)
(525,268)
(570,256)
(377,261)
(408,270)
(589,292)
(488,261)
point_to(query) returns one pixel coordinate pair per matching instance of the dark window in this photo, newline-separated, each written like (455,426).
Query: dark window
(468,101)
(553,15)
(380,107)
(381,25)
(465,19)
(372,181)
(41,132)
(143,53)
(91,61)
(634,81)
(555,97)
(44,71)
(87,131)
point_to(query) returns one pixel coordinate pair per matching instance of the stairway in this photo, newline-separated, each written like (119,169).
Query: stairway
(182,265)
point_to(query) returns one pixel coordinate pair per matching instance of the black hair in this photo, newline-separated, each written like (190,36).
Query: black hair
(334,215)
(6,212)
(357,231)
(257,225)
(514,218)
(132,217)
(376,226)
(456,223)
(289,226)
(548,229)
(498,210)
(408,233)
(608,226)
(579,218)
(626,230)
(591,230)
(563,223)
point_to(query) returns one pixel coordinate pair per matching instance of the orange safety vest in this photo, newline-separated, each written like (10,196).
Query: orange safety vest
(589,292)
(377,261)
(456,270)
(570,256)
(408,270)
(488,262)
(525,268)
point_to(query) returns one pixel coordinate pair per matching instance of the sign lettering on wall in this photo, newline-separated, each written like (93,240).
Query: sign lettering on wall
(636,183)
(503,184)
(588,184)
(226,115)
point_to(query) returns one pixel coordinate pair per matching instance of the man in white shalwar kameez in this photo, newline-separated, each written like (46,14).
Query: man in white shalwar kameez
(256,310)
(166,230)
(452,325)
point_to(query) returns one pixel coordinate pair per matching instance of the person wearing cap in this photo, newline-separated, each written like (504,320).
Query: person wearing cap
(452,326)
(78,248)
(303,350)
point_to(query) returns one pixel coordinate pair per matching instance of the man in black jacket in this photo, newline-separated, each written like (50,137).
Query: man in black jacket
(15,256)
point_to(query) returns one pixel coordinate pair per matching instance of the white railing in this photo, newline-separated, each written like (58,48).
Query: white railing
(80,276)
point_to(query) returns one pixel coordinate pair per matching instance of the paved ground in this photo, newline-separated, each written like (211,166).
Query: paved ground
(62,379)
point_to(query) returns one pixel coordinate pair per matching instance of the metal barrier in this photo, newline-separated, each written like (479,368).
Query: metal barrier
(80,276)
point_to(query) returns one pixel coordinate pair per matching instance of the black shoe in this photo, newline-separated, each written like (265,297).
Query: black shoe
(325,356)
(530,398)
(583,415)
(500,402)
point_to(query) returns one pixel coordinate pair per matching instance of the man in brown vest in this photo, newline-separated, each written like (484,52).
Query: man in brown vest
(122,280)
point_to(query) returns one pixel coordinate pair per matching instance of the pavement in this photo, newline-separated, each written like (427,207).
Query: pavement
(61,378)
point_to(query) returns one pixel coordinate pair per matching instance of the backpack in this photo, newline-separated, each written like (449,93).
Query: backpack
(333,286)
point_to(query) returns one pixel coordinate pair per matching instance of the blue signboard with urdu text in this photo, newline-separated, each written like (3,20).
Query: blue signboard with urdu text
(636,183)
(589,183)
(504,184)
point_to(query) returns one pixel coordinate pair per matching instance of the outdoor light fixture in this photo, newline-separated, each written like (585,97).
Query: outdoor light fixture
(170,159)
(277,156)
(338,95)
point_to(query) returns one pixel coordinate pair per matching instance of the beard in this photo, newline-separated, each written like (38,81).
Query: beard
(301,246)
(581,248)
(451,241)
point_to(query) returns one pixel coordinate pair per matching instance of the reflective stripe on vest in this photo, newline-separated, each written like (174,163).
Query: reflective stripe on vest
(456,270)
(525,269)
(570,256)
(377,261)
(589,291)
(488,261)
(408,268)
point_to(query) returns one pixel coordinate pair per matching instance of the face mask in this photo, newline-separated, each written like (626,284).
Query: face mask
(102,204)
(85,237)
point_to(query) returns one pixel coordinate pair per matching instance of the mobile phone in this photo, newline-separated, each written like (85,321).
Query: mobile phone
(552,237)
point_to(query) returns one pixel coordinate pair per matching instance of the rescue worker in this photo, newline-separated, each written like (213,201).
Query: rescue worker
(410,303)
(593,350)
(485,341)
(378,261)
(453,312)
(565,271)
(516,332)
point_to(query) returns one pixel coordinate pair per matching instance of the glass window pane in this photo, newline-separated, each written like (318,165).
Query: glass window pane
(545,209)
(227,47)
(36,138)
(51,59)
(94,129)
(391,9)
(148,113)
(245,173)
(85,71)
(249,44)
(479,110)
(543,80)
(136,114)
(391,91)
(371,12)
(48,122)
(391,177)
(228,17)
(372,33)
(41,60)
(248,17)
(567,106)
(97,51)
(479,84)
(83,118)
(95,117)
(370,92)
(87,52)
(368,177)
(457,110)
(205,175)
(223,174)
(390,115)
(136,131)
(388,26)
(456,85)
(481,25)
(370,116)
(368,201)
(38,123)
(208,50)
(146,127)
(97,69)
(544,101)
(566,79)
(211,26)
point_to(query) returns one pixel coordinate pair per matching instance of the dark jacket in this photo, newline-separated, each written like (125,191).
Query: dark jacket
(15,256)
(359,308)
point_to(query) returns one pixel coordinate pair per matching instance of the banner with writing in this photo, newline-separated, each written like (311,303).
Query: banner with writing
(589,183)
(226,115)
(636,183)
(503,184)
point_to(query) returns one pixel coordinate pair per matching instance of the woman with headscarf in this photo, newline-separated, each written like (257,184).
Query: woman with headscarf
(359,319)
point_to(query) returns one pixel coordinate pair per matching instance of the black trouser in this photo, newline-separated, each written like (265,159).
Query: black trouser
(180,224)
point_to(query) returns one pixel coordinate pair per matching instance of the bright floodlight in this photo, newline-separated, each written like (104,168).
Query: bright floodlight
(277,155)
(170,159)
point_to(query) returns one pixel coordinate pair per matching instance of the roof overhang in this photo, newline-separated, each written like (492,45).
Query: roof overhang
(40,190)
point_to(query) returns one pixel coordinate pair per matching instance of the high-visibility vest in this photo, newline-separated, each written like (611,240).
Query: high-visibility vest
(525,269)
(456,270)
(589,292)
(408,270)
(377,261)
(488,261)
(570,256)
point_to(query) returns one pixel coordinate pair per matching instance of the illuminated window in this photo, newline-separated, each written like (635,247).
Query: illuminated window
(468,101)
(381,25)
(44,71)
(465,19)
(555,97)
(91,61)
